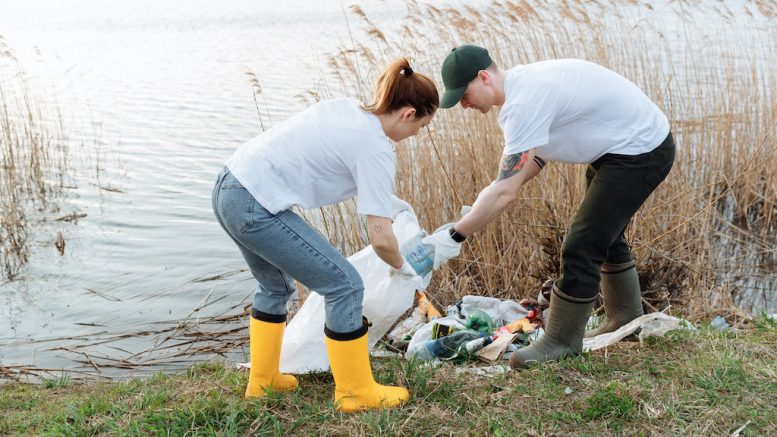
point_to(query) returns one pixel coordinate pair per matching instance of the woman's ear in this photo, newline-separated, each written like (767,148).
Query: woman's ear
(408,114)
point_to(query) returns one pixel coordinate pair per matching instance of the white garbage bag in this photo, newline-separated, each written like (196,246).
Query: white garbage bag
(501,311)
(653,325)
(386,298)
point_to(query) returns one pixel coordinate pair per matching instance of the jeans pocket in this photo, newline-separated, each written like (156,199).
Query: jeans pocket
(258,216)
(231,183)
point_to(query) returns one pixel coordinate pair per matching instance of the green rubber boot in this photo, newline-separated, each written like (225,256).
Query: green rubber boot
(622,296)
(564,331)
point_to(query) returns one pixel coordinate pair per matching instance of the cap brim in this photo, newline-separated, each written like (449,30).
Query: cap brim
(452,96)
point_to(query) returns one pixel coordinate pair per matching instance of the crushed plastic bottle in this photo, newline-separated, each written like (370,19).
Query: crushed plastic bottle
(719,324)
(480,321)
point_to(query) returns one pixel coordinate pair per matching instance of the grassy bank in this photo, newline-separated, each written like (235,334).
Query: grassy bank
(687,383)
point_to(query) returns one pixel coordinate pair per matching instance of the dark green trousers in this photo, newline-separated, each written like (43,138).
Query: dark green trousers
(616,186)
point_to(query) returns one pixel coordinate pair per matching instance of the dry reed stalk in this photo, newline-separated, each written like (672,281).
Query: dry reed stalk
(33,160)
(719,197)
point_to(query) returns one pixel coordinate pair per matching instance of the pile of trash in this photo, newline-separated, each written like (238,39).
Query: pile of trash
(475,328)
(487,329)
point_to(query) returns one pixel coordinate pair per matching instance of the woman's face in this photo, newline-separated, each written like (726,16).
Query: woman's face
(409,125)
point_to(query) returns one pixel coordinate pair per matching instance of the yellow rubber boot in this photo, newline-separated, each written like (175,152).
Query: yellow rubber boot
(355,388)
(266,335)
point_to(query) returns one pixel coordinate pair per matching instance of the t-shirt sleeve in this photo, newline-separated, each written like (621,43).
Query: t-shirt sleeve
(374,178)
(526,121)
(525,127)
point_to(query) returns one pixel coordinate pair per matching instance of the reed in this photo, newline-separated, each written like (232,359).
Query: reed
(33,160)
(708,226)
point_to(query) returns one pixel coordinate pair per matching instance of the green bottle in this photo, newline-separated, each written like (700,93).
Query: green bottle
(480,321)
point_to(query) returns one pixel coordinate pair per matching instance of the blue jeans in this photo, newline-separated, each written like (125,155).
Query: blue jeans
(282,247)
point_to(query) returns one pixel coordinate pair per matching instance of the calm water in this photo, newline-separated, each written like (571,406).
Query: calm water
(162,84)
(159,88)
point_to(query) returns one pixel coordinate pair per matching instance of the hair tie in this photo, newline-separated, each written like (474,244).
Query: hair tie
(407,71)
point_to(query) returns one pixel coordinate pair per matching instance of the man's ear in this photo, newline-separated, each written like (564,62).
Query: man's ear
(408,114)
(485,76)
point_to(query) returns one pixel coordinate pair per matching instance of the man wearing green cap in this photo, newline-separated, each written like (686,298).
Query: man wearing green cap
(571,111)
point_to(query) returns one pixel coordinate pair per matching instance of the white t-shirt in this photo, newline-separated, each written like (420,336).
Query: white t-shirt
(330,152)
(575,111)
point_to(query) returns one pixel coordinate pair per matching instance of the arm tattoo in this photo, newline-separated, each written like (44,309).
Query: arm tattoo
(540,162)
(377,228)
(511,164)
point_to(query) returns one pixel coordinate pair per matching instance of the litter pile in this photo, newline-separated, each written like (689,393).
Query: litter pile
(487,329)
(475,328)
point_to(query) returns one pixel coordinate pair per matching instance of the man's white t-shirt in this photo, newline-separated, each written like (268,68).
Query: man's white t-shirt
(575,111)
(330,152)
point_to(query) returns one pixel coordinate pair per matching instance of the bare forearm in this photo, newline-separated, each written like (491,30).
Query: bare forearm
(498,196)
(488,206)
(383,240)
(388,251)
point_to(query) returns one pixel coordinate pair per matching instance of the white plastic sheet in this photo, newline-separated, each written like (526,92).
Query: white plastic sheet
(386,298)
(653,325)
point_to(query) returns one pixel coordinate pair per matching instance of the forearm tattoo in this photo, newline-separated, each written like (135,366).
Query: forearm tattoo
(511,164)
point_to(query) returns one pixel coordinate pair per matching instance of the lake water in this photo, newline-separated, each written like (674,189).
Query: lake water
(159,87)
(162,85)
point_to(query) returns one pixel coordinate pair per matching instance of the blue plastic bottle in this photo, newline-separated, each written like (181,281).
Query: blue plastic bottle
(420,256)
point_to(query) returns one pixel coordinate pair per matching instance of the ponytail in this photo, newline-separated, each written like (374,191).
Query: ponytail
(399,86)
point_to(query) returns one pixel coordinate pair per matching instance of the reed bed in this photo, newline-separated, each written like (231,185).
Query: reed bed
(706,231)
(33,160)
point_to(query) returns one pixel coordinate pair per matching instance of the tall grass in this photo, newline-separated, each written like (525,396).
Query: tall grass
(33,160)
(710,68)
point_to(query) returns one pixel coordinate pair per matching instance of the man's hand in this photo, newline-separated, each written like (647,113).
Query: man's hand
(445,247)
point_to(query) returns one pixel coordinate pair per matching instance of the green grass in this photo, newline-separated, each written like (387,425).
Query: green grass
(687,383)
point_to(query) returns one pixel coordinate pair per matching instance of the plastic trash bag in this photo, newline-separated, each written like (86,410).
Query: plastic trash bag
(386,298)
(400,336)
(502,311)
(653,324)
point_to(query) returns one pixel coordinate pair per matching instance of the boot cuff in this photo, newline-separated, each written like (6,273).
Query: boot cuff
(269,318)
(347,336)
(565,297)
(611,269)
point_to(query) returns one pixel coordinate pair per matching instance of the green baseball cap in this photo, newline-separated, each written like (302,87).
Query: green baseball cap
(459,68)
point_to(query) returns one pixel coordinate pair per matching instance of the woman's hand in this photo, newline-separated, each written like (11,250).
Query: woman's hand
(406,270)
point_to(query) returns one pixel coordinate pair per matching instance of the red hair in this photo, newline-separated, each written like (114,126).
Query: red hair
(399,86)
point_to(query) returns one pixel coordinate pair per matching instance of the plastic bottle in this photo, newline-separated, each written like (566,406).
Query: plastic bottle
(469,348)
(420,256)
(443,348)
(480,321)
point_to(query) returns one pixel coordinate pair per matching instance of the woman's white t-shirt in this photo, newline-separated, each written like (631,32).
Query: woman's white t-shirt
(575,111)
(330,152)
